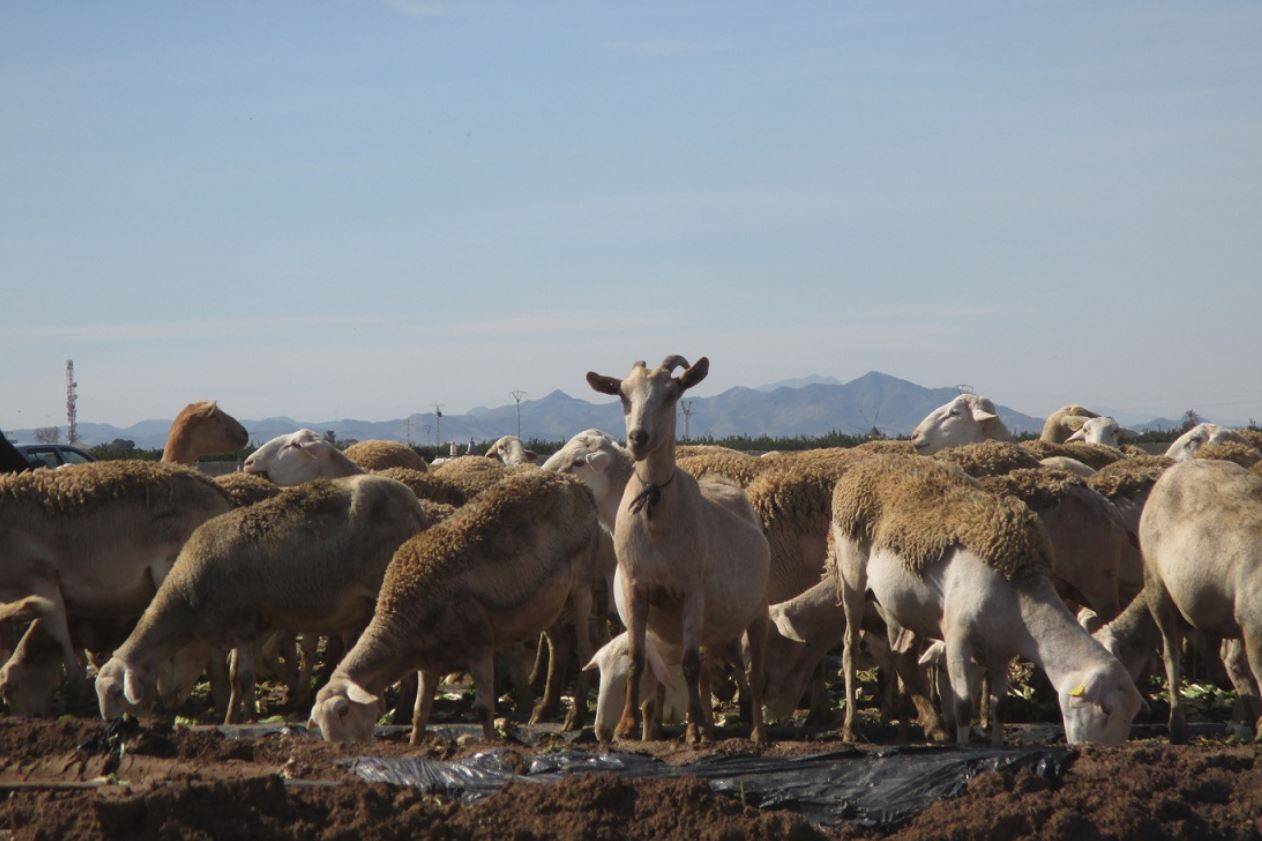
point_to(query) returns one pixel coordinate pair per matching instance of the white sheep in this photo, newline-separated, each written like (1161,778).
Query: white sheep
(1063,422)
(300,457)
(948,561)
(510,451)
(1100,430)
(967,419)
(613,661)
(1186,445)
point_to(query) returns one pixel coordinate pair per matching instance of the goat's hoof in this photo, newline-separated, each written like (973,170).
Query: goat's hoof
(541,712)
(626,728)
(573,722)
(414,738)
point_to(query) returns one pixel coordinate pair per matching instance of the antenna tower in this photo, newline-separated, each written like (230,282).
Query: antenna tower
(686,405)
(72,397)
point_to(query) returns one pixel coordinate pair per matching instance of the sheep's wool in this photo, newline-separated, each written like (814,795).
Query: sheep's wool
(921,509)
(1040,488)
(471,474)
(739,467)
(380,455)
(1095,456)
(1241,454)
(429,486)
(81,486)
(989,458)
(1130,477)
(246,488)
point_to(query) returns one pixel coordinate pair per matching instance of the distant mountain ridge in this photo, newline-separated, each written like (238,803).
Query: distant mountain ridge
(812,405)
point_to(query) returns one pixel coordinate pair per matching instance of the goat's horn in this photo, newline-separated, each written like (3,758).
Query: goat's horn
(674,360)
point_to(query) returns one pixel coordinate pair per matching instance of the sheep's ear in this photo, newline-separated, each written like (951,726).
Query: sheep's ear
(983,410)
(933,654)
(531,455)
(603,384)
(599,461)
(785,626)
(131,686)
(694,375)
(1073,422)
(1080,435)
(1123,432)
(658,667)
(359,694)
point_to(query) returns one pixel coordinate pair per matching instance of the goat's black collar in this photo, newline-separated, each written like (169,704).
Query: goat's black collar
(648,498)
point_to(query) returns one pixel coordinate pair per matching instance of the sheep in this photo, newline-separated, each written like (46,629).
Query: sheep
(1094,456)
(1089,538)
(947,560)
(246,488)
(694,572)
(310,559)
(1251,436)
(1069,465)
(376,456)
(739,467)
(1200,533)
(96,539)
(510,451)
(1063,422)
(967,419)
(887,447)
(690,450)
(1126,484)
(300,457)
(1186,445)
(202,428)
(988,458)
(600,463)
(1100,430)
(1242,454)
(428,486)
(500,570)
(613,661)
(471,474)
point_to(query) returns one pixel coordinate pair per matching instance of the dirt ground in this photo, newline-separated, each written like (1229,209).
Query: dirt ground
(74,778)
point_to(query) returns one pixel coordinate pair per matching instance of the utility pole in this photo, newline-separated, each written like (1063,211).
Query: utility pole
(72,397)
(407,428)
(687,407)
(518,396)
(438,424)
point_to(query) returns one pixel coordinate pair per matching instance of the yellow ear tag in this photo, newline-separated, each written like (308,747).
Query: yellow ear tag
(1078,691)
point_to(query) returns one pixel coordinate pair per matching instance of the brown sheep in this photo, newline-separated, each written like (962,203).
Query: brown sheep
(382,455)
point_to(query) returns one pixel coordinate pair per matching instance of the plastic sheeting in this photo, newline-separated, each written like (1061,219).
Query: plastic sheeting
(871,788)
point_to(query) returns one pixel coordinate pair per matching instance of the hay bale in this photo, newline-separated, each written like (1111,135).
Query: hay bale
(246,488)
(989,458)
(382,455)
(427,486)
(922,509)
(1241,454)
(1094,456)
(1129,478)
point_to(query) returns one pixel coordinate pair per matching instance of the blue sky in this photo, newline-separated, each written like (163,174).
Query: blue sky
(360,208)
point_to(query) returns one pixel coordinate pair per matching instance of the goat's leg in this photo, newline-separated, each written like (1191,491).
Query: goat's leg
(693,624)
(427,685)
(963,675)
(756,639)
(580,617)
(637,625)
(482,669)
(1165,614)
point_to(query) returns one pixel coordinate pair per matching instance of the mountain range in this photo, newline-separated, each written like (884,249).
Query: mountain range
(812,405)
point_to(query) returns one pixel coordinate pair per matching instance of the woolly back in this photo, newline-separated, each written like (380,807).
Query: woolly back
(481,541)
(380,455)
(798,498)
(429,486)
(887,447)
(989,458)
(1233,451)
(84,487)
(1253,436)
(471,474)
(246,488)
(1094,456)
(739,467)
(1040,488)
(689,450)
(1129,477)
(922,509)
(315,507)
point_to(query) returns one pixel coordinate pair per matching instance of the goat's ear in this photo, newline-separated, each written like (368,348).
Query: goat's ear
(603,384)
(983,410)
(694,375)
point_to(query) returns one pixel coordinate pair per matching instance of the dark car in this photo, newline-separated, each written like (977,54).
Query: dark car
(52,455)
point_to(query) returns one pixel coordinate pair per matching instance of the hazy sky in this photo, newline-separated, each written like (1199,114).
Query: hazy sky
(360,208)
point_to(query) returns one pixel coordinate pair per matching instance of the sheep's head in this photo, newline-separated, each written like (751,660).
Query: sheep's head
(1098,707)
(1097,430)
(649,398)
(595,459)
(1186,445)
(298,457)
(614,662)
(27,684)
(967,419)
(510,450)
(123,687)
(344,711)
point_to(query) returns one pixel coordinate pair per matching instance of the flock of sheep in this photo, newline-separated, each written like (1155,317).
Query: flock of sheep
(941,559)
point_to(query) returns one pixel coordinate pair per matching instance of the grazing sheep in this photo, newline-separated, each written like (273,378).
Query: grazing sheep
(988,458)
(96,539)
(1241,454)
(1126,484)
(1100,430)
(246,488)
(510,451)
(1089,538)
(429,486)
(948,560)
(694,572)
(1094,456)
(310,559)
(499,571)
(1069,465)
(1201,534)
(1186,445)
(300,457)
(613,661)
(1063,422)
(739,467)
(967,419)
(200,429)
(471,474)
(376,456)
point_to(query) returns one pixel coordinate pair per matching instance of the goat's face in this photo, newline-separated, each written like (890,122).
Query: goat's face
(345,712)
(964,420)
(649,398)
(291,459)
(1101,707)
(1186,445)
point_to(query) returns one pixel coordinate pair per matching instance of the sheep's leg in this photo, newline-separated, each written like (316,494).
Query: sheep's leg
(963,675)
(220,685)
(1236,664)
(852,600)
(540,669)
(334,649)
(756,638)
(551,700)
(997,689)
(1165,614)
(705,684)
(407,697)
(52,617)
(241,677)
(654,709)
(482,670)
(427,685)
(983,700)
(637,624)
(307,645)
(1253,650)
(818,714)
(693,620)
(580,617)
